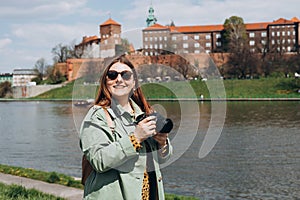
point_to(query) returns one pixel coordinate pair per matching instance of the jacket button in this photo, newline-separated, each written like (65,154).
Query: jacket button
(160,178)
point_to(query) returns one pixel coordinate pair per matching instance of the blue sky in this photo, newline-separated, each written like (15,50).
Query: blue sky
(31,28)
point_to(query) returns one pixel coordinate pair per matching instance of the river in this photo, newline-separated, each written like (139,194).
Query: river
(256,155)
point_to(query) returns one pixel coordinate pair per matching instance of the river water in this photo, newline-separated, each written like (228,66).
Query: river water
(256,155)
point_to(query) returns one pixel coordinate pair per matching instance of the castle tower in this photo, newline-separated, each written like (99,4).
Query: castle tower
(151,20)
(110,35)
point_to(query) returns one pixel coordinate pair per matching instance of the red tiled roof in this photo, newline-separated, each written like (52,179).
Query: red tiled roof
(257,26)
(282,21)
(110,22)
(156,27)
(212,28)
(295,19)
(195,29)
(89,39)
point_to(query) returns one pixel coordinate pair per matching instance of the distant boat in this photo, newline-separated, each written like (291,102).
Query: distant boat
(86,102)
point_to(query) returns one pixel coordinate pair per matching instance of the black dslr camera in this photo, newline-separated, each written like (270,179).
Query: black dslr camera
(163,125)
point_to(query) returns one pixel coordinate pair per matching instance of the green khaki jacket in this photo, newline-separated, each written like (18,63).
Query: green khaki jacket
(118,167)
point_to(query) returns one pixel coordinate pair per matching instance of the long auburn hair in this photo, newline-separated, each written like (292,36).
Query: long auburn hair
(103,97)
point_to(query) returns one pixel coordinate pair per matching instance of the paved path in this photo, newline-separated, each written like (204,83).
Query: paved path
(54,189)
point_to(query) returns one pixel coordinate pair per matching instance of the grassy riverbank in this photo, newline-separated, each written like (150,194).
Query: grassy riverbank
(252,88)
(50,177)
(17,192)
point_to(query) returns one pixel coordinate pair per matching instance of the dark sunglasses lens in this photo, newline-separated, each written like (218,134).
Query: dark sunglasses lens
(126,75)
(112,75)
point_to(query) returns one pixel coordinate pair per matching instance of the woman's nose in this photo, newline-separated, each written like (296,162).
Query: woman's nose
(119,78)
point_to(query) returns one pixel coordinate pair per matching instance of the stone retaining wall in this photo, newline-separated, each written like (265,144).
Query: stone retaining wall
(32,91)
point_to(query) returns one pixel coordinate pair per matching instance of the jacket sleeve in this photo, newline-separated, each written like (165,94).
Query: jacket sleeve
(99,146)
(164,157)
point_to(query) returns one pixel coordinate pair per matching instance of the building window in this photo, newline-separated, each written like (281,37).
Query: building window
(196,45)
(151,46)
(150,38)
(278,33)
(207,44)
(263,42)
(218,44)
(146,46)
(160,46)
(218,35)
(174,38)
(273,33)
(289,49)
(283,33)
(196,37)
(185,37)
(146,39)
(252,35)
(252,42)
(263,34)
(185,45)
(289,33)
(155,46)
(165,38)
(197,51)
(160,38)
(175,46)
(207,51)
(207,37)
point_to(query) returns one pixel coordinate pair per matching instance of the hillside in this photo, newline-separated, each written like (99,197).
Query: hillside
(254,88)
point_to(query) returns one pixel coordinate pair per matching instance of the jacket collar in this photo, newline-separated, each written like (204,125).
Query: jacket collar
(119,111)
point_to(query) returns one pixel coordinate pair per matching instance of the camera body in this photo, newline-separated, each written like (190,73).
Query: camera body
(163,125)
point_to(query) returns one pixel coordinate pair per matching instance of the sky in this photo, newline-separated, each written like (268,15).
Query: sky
(31,28)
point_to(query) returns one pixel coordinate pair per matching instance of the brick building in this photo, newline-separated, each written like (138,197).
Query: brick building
(106,45)
(280,35)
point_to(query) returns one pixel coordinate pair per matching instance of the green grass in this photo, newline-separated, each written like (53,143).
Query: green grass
(254,88)
(50,177)
(17,192)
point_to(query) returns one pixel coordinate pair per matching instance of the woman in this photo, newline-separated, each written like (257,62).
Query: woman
(125,154)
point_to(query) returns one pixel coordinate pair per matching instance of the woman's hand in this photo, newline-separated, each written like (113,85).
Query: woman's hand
(145,129)
(161,138)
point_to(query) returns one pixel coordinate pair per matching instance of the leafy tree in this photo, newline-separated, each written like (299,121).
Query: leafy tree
(234,33)
(56,78)
(242,61)
(5,89)
(124,47)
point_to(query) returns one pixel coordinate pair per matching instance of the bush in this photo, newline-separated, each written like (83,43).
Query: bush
(53,178)
(5,89)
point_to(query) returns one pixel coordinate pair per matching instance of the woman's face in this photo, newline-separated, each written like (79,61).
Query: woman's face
(120,81)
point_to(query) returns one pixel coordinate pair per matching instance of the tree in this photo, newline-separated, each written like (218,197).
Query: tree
(234,33)
(124,47)
(5,89)
(63,52)
(242,61)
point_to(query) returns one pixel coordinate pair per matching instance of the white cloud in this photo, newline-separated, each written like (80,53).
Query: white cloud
(38,10)
(51,34)
(4,42)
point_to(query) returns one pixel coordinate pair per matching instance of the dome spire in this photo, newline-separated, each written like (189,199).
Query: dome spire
(151,20)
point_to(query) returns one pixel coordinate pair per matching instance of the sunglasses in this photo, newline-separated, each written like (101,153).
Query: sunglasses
(112,75)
